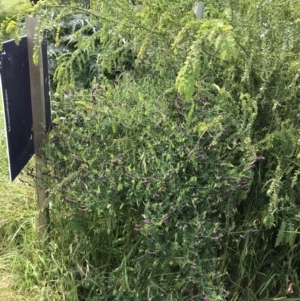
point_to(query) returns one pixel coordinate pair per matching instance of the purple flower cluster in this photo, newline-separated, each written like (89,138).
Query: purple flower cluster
(165,217)
(137,227)
(201,157)
(70,201)
(149,222)
(79,160)
(259,159)
(193,266)
(243,184)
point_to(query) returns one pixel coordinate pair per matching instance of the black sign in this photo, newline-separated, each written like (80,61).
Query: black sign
(15,81)
(16,96)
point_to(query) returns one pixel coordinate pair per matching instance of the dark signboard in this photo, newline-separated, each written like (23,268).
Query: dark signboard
(16,96)
(15,81)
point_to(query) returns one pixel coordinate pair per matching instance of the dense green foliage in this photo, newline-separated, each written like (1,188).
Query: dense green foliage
(173,164)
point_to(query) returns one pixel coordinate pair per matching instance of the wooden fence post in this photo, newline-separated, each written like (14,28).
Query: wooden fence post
(37,87)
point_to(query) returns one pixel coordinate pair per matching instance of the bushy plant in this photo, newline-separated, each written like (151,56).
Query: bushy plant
(161,179)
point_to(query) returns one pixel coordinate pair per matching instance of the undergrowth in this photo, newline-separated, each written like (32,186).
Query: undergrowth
(173,164)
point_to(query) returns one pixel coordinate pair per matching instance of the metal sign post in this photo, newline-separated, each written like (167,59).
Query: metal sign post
(27,110)
(199,10)
(38,87)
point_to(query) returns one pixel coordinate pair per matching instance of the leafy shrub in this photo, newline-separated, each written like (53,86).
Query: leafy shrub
(4,15)
(161,177)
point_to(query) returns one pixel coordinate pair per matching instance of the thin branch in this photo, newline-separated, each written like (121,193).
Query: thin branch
(88,11)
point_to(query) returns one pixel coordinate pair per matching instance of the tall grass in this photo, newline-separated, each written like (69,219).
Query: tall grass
(17,214)
(29,269)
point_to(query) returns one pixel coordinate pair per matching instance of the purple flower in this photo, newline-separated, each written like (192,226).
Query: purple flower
(206,299)
(165,217)
(149,222)
(179,102)
(55,138)
(137,227)
(259,159)
(248,191)
(201,157)
(202,100)
(193,266)
(69,201)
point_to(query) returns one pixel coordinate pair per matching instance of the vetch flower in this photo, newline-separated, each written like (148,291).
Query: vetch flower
(259,159)
(78,160)
(137,227)
(165,217)
(149,222)
(69,201)
(201,157)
